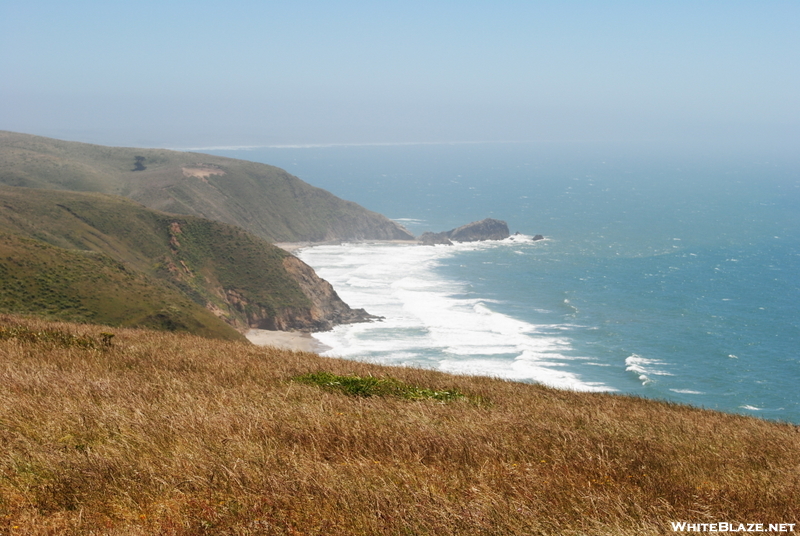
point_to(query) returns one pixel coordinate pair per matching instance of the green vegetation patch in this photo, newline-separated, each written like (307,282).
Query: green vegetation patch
(372,386)
(37,278)
(55,337)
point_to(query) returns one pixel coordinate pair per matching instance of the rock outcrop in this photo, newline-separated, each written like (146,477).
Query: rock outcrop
(322,311)
(327,309)
(488,229)
(431,239)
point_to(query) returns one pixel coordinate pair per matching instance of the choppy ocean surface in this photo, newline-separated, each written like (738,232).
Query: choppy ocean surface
(673,277)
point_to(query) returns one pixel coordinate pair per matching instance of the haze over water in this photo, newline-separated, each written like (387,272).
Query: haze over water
(668,277)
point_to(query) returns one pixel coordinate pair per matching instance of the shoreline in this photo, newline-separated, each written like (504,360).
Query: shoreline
(293,247)
(299,341)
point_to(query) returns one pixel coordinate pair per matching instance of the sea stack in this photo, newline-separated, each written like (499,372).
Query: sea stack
(488,229)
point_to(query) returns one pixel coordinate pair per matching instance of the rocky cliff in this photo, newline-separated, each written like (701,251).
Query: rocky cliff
(181,267)
(327,309)
(488,229)
(431,239)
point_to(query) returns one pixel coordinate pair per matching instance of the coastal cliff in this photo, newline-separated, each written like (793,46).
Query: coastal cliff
(324,311)
(327,309)
(72,254)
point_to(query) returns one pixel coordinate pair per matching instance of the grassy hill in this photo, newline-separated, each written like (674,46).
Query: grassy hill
(103,243)
(159,433)
(43,280)
(262,199)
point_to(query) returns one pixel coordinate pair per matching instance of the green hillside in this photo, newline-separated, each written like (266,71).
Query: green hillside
(40,279)
(102,242)
(262,199)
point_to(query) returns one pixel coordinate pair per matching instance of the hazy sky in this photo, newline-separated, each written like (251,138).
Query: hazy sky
(203,73)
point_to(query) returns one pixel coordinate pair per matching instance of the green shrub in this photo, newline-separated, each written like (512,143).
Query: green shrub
(372,386)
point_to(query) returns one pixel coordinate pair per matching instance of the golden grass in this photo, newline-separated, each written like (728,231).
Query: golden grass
(171,434)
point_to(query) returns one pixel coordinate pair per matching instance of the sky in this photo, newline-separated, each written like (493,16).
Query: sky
(176,73)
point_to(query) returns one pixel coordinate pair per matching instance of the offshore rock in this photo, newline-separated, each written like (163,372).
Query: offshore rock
(431,239)
(488,229)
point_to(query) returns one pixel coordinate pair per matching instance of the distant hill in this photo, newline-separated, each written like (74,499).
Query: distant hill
(264,200)
(105,259)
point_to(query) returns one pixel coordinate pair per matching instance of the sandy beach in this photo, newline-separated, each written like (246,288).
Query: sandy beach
(289,340)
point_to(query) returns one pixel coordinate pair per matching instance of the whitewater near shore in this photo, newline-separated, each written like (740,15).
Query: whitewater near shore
(439,322)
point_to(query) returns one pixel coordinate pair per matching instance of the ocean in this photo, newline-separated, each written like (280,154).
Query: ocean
(668,275)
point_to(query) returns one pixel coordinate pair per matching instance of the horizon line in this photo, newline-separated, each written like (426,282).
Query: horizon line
(353,144)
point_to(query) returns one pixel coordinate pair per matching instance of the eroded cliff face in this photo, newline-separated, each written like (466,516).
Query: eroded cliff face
(327,309)
(323,310)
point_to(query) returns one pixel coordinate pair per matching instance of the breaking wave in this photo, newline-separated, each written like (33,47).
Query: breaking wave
(436,322)
(645,368)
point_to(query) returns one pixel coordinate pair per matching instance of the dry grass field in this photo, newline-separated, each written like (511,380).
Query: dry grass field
(156,433)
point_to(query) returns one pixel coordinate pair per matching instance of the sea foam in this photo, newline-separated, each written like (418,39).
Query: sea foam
(434,321)
(645,368)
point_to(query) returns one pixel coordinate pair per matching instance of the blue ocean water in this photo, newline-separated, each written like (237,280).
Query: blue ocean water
(671,276)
